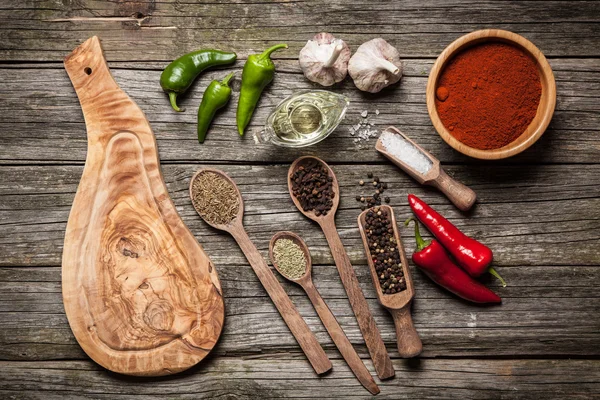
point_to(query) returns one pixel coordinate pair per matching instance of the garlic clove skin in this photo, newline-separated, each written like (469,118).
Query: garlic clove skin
(375,65)
(324,59)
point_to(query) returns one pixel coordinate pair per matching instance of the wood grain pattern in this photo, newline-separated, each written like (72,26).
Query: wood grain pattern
(333,327)
(302,333)
(277,377)
(545,110)
(368,327)
(409,343)
(141,295)
(534,209)
(460,195)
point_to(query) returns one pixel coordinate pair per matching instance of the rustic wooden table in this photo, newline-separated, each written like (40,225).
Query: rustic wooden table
(539,211)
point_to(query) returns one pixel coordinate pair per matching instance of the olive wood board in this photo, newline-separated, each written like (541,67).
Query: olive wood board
(140,294)
(398,304)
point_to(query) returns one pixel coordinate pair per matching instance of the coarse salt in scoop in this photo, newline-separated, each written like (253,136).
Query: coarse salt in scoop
(423,167)
(404,150)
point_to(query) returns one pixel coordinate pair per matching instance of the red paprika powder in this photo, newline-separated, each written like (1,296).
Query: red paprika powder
(488,94)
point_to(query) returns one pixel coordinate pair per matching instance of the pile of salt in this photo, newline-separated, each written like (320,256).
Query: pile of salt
(405,151)
(364,129)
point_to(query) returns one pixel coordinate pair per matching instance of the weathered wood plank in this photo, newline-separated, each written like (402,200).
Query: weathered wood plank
(49,125)
(286,377)
(536,305)
(528,215)
(46,30)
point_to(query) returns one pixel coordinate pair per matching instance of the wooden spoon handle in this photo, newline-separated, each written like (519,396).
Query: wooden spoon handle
(460,195)
(409,343)
(304,336)
(339,338)
(366,322)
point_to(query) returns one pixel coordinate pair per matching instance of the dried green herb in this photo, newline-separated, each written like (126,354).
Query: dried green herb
(289,258)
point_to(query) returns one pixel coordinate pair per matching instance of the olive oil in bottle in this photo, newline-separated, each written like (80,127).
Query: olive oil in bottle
(304,118)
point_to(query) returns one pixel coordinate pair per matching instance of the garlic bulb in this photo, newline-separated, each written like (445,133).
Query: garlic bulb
(324,59)
(375,65)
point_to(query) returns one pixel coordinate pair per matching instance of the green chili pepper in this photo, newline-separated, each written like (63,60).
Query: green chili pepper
(217,94)
(258,73)
(181,73)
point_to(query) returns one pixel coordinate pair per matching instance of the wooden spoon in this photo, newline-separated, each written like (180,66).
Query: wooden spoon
(460,195)
(366,322)
(398,304)
(335,330)
(304,336)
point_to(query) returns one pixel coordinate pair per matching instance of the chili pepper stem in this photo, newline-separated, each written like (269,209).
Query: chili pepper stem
(497,275)
(225,81)
(267,52)
(421,244)
(173,100)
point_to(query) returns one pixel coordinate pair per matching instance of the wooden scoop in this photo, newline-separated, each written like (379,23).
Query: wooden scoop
(398,304)
(366,322)
(460,195)
(335,330)
(304,336)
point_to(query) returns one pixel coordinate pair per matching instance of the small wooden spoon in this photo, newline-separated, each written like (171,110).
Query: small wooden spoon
(335,330)
(366,322)
(398,304)
(304,336)
(460,195)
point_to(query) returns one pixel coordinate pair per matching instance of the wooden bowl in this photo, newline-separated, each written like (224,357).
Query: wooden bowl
(545,109)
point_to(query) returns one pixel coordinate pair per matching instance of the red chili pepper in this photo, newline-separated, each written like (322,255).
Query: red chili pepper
(473,256)
(435,262)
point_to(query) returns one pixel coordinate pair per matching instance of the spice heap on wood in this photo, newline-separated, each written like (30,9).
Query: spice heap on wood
(289,258)
(363,129)
(375,198)
(383,251)
(312,186)
(488,95)
(215,198)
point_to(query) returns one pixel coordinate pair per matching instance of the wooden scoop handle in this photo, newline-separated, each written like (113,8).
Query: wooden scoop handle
(460,195)
(339,338)
(366,322)
(304,336)
(409,343)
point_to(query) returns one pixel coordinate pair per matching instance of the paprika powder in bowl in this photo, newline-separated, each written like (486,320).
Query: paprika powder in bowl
(491,94)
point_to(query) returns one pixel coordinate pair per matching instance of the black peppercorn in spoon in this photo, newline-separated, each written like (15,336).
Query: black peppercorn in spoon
(335,330)
(304,336)
(366,322)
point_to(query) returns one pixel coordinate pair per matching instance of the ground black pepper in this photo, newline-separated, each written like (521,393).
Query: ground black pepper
(384,251)
(312,187)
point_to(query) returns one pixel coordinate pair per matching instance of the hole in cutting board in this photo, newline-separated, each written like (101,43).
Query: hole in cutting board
(87,70)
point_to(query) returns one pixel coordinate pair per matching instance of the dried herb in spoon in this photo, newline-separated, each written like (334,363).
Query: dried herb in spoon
(215,198)
(289,258)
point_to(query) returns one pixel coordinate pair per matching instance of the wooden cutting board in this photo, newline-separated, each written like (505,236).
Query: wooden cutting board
(141,296)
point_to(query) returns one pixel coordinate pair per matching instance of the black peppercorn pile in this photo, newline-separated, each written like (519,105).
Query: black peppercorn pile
(312,187)
(384,253)
(375,198)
